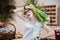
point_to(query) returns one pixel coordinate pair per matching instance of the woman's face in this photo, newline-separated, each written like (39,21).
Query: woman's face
(29,14)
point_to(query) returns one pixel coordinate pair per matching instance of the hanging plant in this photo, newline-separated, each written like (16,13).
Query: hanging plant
(5,10)
(34,2)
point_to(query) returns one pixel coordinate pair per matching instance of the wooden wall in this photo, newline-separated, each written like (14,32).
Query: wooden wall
(58,16)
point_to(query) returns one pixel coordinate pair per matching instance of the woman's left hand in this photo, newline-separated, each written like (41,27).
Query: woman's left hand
(49,31)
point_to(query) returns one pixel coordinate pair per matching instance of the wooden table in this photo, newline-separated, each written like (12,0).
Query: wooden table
(18,39)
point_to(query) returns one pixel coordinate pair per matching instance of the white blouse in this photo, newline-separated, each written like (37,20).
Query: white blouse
(31,31)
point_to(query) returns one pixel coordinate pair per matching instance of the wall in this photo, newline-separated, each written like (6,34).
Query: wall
(47,2)
(58,2)
(58,12)
(17,21)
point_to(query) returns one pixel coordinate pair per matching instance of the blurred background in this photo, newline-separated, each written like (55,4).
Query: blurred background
(52,7)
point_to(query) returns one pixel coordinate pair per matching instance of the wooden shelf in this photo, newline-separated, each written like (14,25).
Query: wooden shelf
(51,10)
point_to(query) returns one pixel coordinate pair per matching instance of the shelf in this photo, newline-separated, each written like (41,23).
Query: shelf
(51,10)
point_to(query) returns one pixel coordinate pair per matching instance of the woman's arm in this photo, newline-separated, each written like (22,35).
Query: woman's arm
(17,11)
(49,31)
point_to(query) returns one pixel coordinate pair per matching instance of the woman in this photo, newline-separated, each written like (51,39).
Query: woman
(32,24)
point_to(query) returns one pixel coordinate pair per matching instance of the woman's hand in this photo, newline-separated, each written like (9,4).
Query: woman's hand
(28,7)
(1,23)
(50,32)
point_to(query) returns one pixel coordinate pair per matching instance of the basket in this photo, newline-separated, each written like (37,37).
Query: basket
(8,35)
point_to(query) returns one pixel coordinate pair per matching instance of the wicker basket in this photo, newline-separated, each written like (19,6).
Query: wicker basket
(8,36)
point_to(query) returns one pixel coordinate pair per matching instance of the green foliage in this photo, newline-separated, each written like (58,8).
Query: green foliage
(34,2)
(5,10)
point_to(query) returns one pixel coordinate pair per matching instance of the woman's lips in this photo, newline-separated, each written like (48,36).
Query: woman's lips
(28,14)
